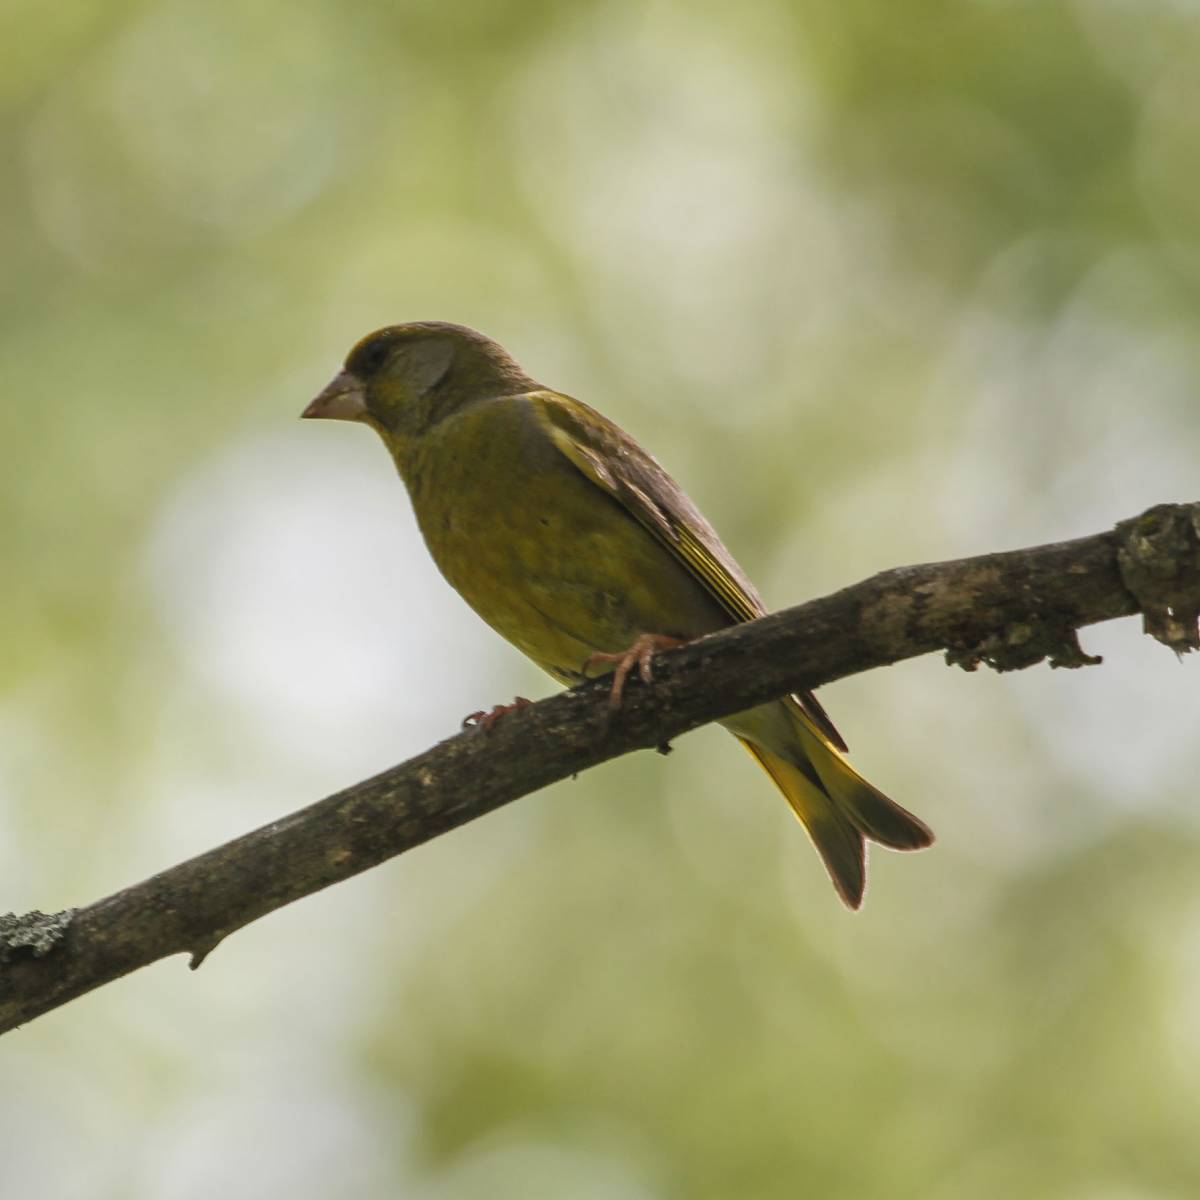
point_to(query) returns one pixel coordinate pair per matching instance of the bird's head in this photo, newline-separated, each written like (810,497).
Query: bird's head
(404,379)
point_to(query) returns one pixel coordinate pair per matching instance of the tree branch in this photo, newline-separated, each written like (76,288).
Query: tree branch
(1007,610)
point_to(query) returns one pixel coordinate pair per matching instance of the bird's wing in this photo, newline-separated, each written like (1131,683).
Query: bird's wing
(614,462)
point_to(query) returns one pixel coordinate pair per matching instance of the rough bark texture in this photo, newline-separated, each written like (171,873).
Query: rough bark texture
(1006,610)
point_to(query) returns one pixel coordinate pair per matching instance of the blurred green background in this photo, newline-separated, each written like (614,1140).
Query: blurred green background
(880,283)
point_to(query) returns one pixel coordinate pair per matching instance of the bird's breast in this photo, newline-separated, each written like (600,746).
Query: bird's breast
(550,561)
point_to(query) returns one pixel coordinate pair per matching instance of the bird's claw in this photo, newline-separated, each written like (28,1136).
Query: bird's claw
(485,719)
(638,655)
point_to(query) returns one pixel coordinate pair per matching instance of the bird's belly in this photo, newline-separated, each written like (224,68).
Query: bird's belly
(556,566)
(561,589)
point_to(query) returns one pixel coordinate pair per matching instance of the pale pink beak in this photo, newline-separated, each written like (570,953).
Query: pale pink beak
(342,400)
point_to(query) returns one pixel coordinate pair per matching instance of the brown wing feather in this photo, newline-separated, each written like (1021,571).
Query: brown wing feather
(613,461)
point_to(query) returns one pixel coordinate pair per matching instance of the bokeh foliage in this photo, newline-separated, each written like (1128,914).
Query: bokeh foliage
(879,282)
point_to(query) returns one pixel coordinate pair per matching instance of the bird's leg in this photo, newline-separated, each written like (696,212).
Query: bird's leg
(644,648)
(485,720)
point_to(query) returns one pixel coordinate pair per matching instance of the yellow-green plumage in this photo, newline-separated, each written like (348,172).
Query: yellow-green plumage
(569,540)
(556,567)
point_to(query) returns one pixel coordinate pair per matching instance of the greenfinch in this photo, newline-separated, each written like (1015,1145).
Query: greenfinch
(572,542)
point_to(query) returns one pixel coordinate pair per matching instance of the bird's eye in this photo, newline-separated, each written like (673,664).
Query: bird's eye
(370,355)
(374,355)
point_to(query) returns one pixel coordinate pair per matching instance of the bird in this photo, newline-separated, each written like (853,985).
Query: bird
(575,545)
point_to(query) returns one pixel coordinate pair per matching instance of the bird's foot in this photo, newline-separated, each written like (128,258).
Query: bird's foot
(644,648)
(485,720)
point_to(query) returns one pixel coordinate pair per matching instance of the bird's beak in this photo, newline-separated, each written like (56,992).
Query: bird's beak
(342,400)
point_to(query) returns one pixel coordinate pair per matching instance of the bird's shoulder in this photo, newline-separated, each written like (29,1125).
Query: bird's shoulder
(615,462)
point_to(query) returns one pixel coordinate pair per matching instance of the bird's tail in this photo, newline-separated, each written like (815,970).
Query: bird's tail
(837,806)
